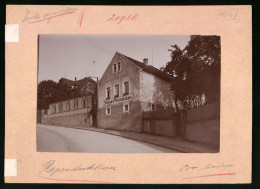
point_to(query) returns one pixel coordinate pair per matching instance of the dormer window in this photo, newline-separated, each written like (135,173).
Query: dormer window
(116,67)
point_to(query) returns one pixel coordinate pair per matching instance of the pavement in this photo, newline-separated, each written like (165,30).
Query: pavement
(177,144)
(168,142)
(62,139)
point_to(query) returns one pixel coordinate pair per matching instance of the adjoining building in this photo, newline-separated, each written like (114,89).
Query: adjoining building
(79,111)
(127,89)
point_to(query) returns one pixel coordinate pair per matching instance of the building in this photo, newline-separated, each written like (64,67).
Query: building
(78,111)
(127,89)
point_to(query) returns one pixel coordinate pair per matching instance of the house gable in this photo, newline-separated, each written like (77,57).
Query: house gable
(128,72)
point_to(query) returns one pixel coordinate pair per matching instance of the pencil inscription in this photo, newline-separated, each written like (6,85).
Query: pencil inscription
(50,168)
(206,167)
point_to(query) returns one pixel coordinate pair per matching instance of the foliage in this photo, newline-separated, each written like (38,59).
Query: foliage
(196,70)
(51,92)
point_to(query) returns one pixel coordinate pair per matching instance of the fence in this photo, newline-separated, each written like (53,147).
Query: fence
(200,124)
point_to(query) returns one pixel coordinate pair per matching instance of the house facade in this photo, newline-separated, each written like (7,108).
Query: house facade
(79,111)
(127,89)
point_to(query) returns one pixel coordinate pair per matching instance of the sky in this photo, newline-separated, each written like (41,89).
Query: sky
(70,56)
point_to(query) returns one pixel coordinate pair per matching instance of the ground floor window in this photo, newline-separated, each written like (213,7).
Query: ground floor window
(75,104)
(125,107)
(108,111)
(60,108)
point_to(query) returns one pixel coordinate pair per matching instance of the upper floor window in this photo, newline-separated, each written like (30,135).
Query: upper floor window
(108,93)
(75,104)
(126,88)
(116,67)
(116,90)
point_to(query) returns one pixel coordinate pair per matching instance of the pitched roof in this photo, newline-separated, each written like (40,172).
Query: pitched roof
(80,82)
(83,81)
(149,69)
(67,82)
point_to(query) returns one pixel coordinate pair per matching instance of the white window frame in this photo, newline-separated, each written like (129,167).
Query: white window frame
(54,109)
(116,64)
(68,106)
(128,86)
(107,111)
(113,68)
(117,67)
(115,89)
(109,93)
(60,105)
(124,111)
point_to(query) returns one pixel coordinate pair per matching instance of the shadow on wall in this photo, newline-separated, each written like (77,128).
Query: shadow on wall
(161,95)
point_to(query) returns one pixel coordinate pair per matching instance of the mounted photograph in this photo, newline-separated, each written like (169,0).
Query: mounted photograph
(128,93)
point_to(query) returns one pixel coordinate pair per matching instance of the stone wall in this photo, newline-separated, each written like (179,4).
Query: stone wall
(75,120)
(200,124)
(74,116)
(203,124)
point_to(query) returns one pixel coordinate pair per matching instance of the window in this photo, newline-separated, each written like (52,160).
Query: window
(114,67)
(67,106)
(83,103)
(75,104)
(126,88)
(54,109)
(116,90)
(125,108)
(118,66)
(108,93)
(60,108)
(108,111)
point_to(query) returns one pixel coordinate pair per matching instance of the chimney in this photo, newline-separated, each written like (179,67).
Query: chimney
(145,61)
(75,79)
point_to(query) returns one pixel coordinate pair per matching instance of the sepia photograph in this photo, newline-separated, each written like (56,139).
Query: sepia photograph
(128,93)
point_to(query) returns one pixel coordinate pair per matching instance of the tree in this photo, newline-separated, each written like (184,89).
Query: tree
(196,70)
(46,94)
(51,92)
